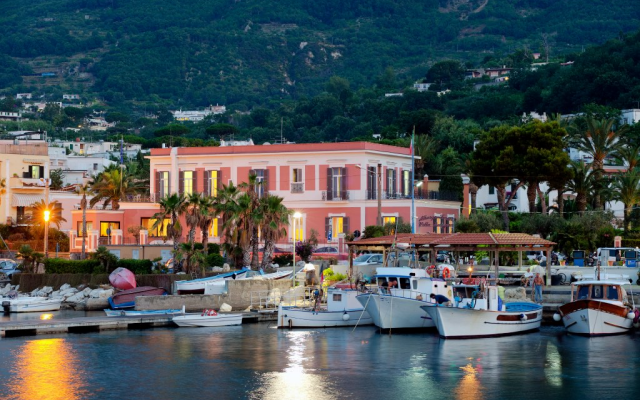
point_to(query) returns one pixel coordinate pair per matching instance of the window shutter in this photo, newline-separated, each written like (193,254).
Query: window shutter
(218,182)
(402,188)
(206,181)
(395,182)
(387,182)
(251,172)
(265,182)
(219,227)
(343,176)
(368,182)
(42,173)
(327,227)
(168,184)
(181,182)
(345,225)
(329,184)
(158,189)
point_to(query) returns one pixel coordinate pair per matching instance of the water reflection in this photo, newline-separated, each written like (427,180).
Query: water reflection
(46,369)
(469,386)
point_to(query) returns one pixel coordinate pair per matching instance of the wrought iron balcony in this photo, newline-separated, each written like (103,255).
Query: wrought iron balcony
(297,187)
(342,195)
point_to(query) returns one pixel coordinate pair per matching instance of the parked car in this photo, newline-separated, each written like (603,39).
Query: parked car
(9,267)
(327,251)
(368,259)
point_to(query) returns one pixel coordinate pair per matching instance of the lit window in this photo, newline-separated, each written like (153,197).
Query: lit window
(107,228)
(214,229)
(89,228)
(213,184)
(159,231)
(297,175)
(187,185)
(337,225)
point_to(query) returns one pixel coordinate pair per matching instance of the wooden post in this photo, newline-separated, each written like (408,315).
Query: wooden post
(520,258)
(497,264)
(548,266)
(350,262)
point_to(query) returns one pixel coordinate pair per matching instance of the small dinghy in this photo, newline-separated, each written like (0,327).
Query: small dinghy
(30,304)
(123,279)
(127,298)
(208,318)
(134,313)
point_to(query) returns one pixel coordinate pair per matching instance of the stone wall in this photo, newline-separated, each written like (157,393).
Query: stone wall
(238,296)
(29,282)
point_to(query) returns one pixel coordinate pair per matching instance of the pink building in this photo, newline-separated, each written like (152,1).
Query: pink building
(332,185)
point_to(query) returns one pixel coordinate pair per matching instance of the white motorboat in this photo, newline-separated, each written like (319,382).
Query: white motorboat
(598,307)
(342,310)
(197,286)
(208,318)
(399,308)
(219,286)
(31,304)
(477,311)
(134,313)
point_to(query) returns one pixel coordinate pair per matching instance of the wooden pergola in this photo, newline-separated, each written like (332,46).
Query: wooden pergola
(430,243)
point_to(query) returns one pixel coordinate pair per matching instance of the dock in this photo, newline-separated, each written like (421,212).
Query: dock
(97,324)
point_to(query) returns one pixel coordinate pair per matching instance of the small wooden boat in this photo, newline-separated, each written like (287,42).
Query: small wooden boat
(123,279)
(197,286)
(342,310)
(134,313)
(219,286)
(31,304)
(127,298)
(597,307)
(208,318)
(478,312)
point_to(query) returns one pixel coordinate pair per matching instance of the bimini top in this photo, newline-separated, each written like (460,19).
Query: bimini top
(601,282)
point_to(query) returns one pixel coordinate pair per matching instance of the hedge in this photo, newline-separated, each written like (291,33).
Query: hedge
(62,266)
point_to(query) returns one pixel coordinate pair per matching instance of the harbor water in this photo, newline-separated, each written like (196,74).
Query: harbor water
(257,361)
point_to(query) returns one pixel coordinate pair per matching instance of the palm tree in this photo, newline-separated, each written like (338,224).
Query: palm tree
(599,140)
(192,258)
(426,148)
(208,212)
(582,184)
(171,208)
(276,217)
(83,190)
(3,188)
(630,154)
(233,207)
(111,187)
(36,220)
(30,258)
(626,188)
(193,215)
(251,189)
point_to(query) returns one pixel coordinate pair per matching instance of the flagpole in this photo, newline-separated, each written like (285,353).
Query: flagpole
(413,182)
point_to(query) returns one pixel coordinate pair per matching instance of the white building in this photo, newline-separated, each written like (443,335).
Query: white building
(100,148)
(77,169)
(22,96)
(70,97)
(196,116)
(10,116)
(421,87)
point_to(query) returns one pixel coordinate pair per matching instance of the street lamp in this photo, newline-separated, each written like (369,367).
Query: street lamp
(379,175)
(47,216)
(413,204)
(296,216)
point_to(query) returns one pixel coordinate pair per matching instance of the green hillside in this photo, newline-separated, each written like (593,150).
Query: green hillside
(248,52)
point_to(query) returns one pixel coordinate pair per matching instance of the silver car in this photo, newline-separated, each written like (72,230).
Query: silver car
(8,267)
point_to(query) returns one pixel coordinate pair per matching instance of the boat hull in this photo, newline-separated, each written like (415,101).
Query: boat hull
(467,323)
(127,298)
(133,313)
(595,318)
(197,286)
(294,317)
(197,320)
(392,312)
(35,306)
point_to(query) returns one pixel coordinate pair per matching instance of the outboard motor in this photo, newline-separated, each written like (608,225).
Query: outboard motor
(6,306)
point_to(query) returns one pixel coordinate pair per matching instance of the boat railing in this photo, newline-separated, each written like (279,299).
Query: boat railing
(410,294)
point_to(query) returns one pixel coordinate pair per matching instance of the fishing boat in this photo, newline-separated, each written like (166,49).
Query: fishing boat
(598,307)
(399,307)
(134,313)
(476,311)
(127,298)
(219,286)
(123,279)
(197,286)
(30,304)
(342,310)
(208,318)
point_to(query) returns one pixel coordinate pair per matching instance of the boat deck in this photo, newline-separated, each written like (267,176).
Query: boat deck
(97,324)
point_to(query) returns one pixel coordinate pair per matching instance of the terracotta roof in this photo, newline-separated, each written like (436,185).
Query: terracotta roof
(472,239)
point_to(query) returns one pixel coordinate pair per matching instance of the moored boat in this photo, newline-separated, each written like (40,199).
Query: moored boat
(598,307)
(31,304)
(197,286)
(127,298)
(135,313)
(208,318)
(477,311)
(342,310)
(123,279)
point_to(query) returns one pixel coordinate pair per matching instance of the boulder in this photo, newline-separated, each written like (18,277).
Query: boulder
(75,298)
(68,292)
(105,294)
(5,290)
(95,293)
(64,287)
(87,291)
(216,269)
(34,293)
(226,267)
(55,294)
(96,304)
(81,287)
(47,289)
(225,307)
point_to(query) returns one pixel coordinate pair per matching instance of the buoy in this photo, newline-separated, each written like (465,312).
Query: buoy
(345,316)
(557,317)
(523,317)
(631,315)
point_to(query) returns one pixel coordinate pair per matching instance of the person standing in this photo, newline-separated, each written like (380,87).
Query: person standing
(538,284)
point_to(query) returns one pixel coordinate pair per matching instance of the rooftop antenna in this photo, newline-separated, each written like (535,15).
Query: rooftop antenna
(281,138)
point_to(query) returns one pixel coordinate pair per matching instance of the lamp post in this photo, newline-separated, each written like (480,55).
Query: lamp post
(379,176)
(296,216)
(413,205)
(47,216)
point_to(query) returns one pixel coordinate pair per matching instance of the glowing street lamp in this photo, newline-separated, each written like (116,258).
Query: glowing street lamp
(47,216)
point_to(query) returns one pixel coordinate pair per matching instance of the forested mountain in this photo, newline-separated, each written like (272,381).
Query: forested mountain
(248,52)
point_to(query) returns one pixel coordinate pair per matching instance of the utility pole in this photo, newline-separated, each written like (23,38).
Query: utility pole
(379,194)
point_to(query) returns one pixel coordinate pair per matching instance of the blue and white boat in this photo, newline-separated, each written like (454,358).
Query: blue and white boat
(133,313)
(197,286)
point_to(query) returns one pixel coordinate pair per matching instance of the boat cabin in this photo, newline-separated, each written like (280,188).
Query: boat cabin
(609,291)
(342,299)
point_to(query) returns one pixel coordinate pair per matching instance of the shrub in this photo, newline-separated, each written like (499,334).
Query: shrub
(213,248)
(214,260)
(16,237)
(283,259)
(138,267)
(329,275)
(62,266)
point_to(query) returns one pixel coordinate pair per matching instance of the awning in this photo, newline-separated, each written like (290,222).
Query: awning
(26,200)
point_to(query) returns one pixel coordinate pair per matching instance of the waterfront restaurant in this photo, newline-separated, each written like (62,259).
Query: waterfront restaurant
(334,187)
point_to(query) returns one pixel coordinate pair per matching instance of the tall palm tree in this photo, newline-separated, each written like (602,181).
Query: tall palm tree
(37,217)
(276,217)
(111,187)
(233,206)
(626,188)
(193,215)
(630,154)
(83,190)
(208,212)
(251,189)
(171,208)
(426,148)
(582,183)
(599,140)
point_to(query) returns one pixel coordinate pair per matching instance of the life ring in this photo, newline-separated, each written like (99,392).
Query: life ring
(446,274)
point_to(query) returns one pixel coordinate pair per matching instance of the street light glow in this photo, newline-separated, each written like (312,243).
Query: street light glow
(47,215)
(297,214)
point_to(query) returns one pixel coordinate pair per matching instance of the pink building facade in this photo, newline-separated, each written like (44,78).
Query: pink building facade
(332,185)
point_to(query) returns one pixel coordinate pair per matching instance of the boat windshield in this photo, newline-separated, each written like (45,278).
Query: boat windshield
(583,292)
(596,291)
(612,293)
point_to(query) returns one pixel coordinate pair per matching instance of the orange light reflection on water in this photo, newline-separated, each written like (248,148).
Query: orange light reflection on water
(469,387)
(46,369)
